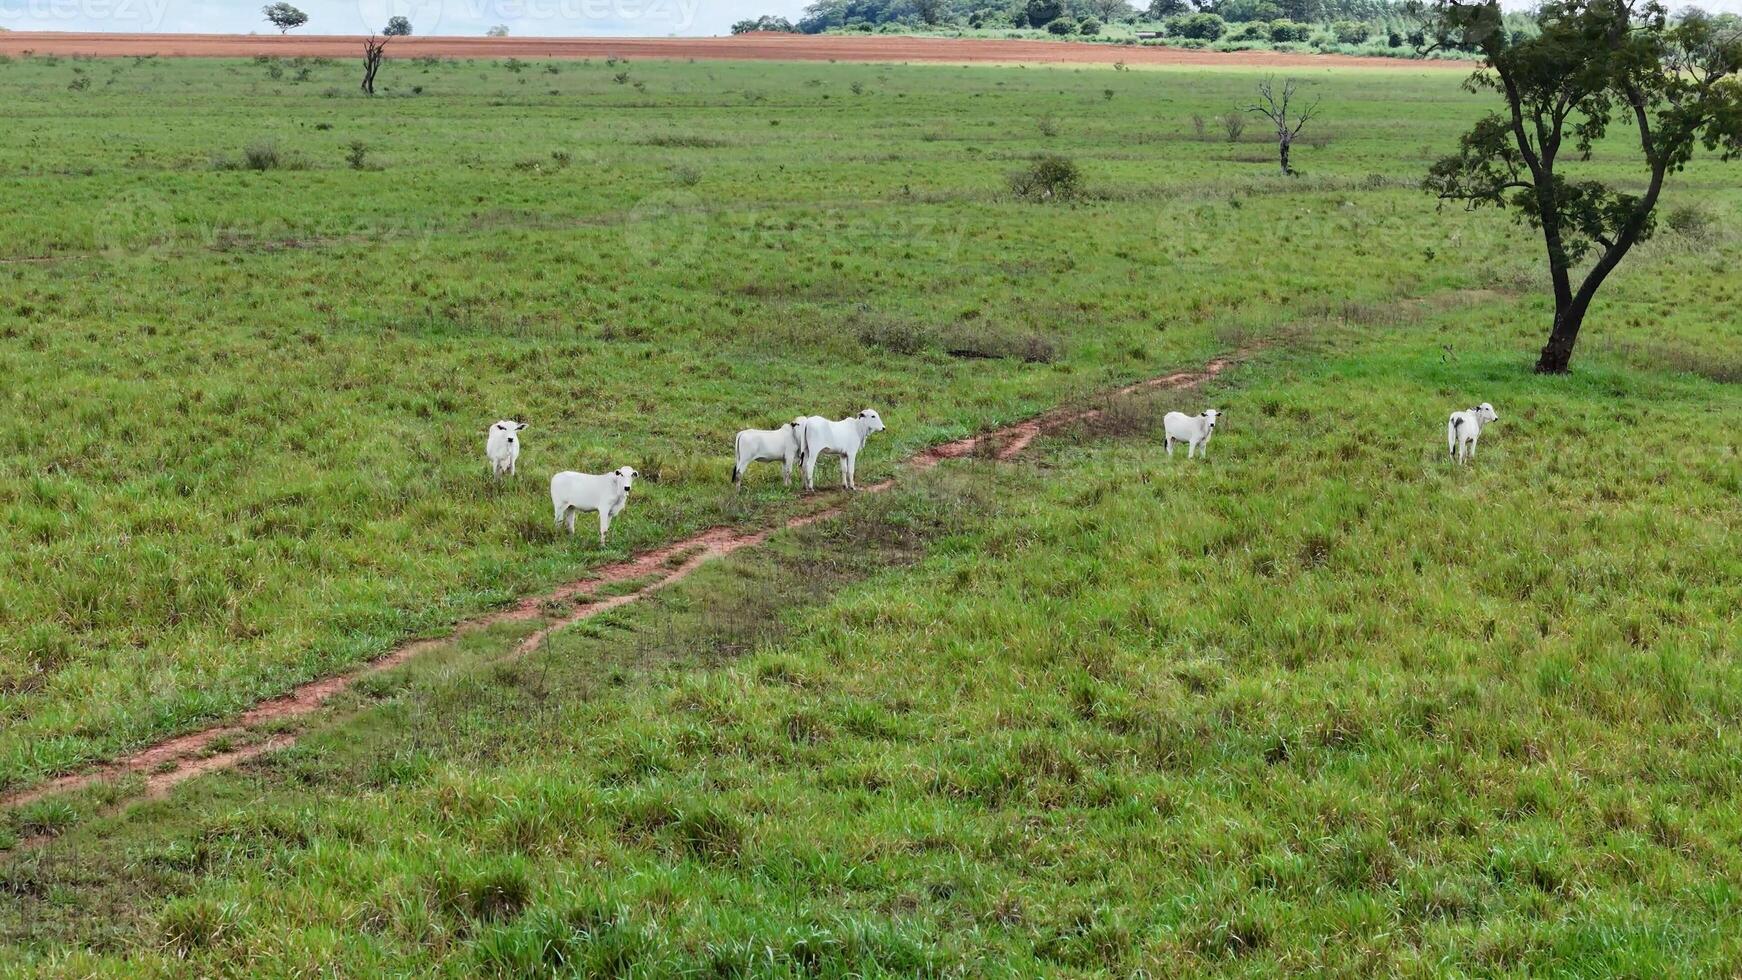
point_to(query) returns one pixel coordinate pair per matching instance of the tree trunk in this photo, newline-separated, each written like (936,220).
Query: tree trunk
(1282,145)
(1557,354)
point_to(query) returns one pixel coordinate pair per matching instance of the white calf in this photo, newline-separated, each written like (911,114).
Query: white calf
(572,493)
(761,445)
(1194,431)
(502,447)
(1463,430)
(844,438)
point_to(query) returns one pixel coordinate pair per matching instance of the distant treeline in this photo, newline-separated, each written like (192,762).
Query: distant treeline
(1324,23)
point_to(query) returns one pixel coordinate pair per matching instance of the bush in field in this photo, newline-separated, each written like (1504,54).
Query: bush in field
(1201,27)
(1350,31)
(262,156)
(1252,30)
(1064,25)
(1049,178)
(1692,222)
(895,336)
(1283,31)
(1090,27)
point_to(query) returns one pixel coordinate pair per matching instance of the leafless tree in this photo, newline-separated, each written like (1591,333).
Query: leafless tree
(1285,113)
(372,50)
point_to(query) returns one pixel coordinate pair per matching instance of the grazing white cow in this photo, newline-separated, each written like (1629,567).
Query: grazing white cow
(764,445)
(1464,429)
(844,438)
(571,493)
(1194,431)
(502,447)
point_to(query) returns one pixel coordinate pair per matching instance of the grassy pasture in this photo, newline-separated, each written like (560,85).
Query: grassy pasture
(1321,702)
(244,409)
(1318,704)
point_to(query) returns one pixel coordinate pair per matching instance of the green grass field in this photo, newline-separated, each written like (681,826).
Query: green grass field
(1324,702)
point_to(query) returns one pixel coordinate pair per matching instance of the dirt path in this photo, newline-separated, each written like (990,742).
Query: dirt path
(184,757)
(744,47)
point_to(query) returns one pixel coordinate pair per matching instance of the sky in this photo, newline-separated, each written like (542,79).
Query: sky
(556,18)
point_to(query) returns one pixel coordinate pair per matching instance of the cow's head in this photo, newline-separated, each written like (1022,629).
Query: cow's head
(873,421)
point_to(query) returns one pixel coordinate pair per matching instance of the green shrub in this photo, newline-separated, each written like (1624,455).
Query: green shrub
(1350,31)
(1064,25)
(1089,27)
(1253,30)
(1049,178)
(1691,221)
(1288,30)
(1200,27)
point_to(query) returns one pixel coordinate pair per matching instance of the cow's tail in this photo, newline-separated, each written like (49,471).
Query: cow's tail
(1452,432)
(804,449)
(737,457)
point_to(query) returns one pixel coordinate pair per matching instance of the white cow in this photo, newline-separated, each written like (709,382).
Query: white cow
(760,445)
(502,446)
(844,438)
(1194,431)
(572,493)
(1463,430)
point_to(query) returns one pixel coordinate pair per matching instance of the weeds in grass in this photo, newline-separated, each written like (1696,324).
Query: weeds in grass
(259,157)
(685,140)
(970,339)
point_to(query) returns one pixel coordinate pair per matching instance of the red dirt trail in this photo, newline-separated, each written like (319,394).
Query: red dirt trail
(184,757)
(743,47)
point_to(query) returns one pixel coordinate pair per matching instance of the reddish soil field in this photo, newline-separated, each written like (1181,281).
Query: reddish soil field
(757,47)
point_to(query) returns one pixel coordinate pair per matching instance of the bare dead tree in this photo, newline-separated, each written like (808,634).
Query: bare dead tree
(1285,114)
(372,51)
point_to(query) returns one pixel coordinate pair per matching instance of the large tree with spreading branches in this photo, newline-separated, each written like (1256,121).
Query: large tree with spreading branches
(284,17)
(1672,81)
